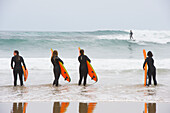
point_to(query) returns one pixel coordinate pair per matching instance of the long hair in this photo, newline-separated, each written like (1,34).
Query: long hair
(149,54)
(55,53)
(17,55)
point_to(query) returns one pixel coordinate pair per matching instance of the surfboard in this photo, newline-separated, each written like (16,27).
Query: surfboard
(145,71)
(25,106)
(64,72)
(91,71)
(64,106)
(25,72)
(91,107)
(145,109)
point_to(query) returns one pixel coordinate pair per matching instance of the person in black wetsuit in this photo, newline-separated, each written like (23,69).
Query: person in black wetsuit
(17,69)
(83,70)
(151,68)
(57,71)
(131,34)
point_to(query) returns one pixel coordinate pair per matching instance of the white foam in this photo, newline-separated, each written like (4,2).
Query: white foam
(161,37)
(98,64)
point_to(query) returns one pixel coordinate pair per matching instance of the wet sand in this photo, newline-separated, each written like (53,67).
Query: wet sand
(84,107)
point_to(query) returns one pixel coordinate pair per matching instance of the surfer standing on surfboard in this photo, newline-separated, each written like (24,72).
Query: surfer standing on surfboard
(131,35)
(151,68)
(17,69)
(57,70)
(83,70)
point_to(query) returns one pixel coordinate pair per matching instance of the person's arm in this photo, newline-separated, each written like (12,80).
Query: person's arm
(60,60)
(144,63)
(52,61)
(88,59)
(22,60)
(79,58)
(12,60)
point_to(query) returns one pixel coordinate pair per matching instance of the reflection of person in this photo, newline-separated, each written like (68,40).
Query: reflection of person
(57,71)
(131,34)
(17,69)
(152,108)
(83,70)
(56,107)
(17,109)
(151,68)
(83,107)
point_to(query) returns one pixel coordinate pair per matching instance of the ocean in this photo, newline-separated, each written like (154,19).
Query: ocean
(116,59)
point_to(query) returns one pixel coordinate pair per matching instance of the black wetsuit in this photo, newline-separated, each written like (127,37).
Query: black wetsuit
(83,107)
(56,70)
(83,70)
(17,69)
(17,108)
(151,70)
(131,35)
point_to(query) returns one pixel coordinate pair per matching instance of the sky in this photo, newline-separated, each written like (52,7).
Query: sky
(84,15)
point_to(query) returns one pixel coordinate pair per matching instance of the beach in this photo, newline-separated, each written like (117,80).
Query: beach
(117,61)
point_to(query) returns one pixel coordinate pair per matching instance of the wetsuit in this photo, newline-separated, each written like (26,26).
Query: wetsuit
(56,70)
(17,69)
(17,108)
(83,108)
(151,69)
(152,108)
(83,70)
(56,107)
(131,35)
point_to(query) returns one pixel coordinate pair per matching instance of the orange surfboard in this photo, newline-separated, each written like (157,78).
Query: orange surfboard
(64,72)
(145,110)
(145,73)
(91,71)
(25,73)
(25,106)
(64,106)
(91,107)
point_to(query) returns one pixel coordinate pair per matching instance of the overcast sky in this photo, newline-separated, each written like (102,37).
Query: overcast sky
(78,15)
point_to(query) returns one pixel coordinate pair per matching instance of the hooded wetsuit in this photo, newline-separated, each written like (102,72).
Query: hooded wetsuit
(56,70)
(151,69)
(17,69)
(83,70)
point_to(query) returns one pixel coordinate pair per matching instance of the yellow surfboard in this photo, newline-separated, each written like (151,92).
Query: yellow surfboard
(145,73)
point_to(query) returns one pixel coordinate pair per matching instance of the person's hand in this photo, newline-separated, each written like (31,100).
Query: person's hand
(143,68)
(12,68)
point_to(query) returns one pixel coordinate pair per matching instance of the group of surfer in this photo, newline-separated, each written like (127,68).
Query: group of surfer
(19,61)
(83,69)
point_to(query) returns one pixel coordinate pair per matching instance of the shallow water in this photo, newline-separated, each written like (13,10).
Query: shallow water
(84,107)
(112,86)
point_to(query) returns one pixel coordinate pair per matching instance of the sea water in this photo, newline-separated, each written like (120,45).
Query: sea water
(117,61)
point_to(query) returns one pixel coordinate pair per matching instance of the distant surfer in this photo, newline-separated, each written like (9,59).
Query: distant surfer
(83,70)
(131,35)
(17,69)
(151,68)
(57,71)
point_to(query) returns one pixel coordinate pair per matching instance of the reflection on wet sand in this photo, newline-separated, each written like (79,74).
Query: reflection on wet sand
(57,108)
(86,108)
(150,108)
(19,108)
